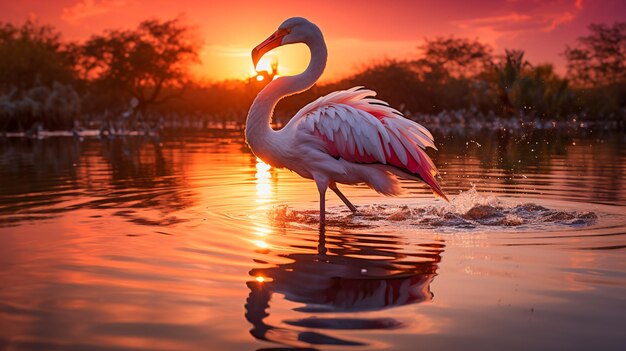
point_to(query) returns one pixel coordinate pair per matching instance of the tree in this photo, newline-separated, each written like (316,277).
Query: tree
(508,76)
(31,55)
(452,70)
(533,89)
(36,78)
(459,57)
(149,63)
(600,57)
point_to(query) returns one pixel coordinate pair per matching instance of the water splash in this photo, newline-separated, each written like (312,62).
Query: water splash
(468,210)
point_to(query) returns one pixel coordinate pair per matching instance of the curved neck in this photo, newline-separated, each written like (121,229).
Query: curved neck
(260,114)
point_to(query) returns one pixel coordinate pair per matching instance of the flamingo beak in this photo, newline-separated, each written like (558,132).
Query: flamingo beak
(275,40)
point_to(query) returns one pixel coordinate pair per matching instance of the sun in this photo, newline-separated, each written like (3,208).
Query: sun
(265,64)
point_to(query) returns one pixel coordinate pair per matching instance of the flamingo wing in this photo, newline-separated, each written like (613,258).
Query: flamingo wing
(356,127)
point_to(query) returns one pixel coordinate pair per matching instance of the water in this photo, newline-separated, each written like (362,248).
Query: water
(190,243)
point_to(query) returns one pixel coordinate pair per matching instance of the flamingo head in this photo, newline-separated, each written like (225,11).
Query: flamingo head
(294,30)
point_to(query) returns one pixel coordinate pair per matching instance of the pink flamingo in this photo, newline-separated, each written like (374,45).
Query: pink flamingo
(344,137)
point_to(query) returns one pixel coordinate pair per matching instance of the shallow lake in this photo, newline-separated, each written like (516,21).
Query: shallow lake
(191,243)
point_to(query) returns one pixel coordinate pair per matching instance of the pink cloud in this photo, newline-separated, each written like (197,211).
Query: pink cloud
(525,16)
(579,4)
(89,8)
(556,21)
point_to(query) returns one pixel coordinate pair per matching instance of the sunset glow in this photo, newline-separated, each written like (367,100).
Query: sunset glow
(265,66)
(420,174)
(356,34)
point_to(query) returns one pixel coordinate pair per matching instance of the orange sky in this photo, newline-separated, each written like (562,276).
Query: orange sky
(357,32)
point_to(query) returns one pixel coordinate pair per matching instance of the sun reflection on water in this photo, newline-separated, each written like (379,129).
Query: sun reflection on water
(264,195)
(261,244)
(262,231)
(263,182)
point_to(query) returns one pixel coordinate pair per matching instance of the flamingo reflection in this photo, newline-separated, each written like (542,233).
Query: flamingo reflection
(355,274)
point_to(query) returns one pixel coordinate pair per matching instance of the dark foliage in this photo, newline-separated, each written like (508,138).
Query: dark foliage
(148,63)
(127,77)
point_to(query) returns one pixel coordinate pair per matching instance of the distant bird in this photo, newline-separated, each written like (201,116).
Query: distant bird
(344,137)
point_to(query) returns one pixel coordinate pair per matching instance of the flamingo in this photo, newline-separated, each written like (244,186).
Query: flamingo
(345,137)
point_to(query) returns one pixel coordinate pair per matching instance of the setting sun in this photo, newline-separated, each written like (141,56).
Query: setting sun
(265,64)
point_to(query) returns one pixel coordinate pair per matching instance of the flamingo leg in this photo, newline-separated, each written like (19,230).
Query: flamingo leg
(322,185)
(343,198)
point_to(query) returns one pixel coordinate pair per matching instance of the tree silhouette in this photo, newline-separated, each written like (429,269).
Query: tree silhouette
(33,54)
(509,74)
(600,57)
(458,57)
(37,78)
(148,63)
